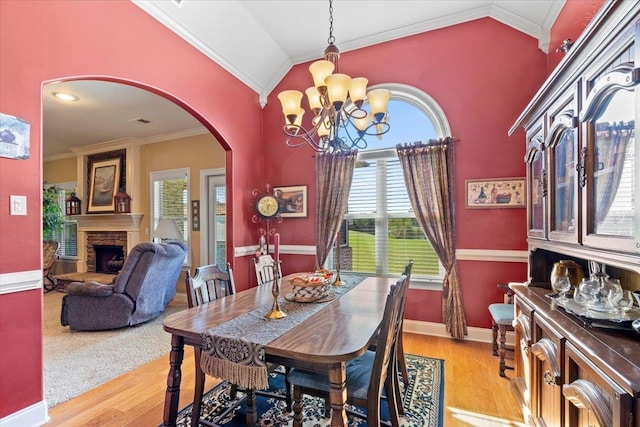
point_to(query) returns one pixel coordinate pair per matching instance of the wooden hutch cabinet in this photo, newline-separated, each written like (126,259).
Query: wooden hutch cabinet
(583,204)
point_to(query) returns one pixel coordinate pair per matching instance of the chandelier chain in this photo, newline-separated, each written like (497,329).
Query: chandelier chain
(331,39)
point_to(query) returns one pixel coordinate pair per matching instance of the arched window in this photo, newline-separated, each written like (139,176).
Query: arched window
(380,233)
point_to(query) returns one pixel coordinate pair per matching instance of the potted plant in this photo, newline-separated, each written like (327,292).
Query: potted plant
(52,215)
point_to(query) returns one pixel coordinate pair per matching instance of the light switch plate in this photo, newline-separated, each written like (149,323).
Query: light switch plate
(18,205)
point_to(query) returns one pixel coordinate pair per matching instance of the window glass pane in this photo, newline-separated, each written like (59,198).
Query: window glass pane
(68,236)
(407,241)
(407,124)
(169,200)
(221,227)
(361,243)
(397,196)
(362,198)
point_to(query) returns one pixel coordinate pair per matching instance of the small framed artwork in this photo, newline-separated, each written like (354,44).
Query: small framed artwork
(14,137)
(195,215)
(495,193)
(293,199)
(105,181)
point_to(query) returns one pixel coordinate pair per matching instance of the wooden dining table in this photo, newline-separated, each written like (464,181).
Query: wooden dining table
(326,341)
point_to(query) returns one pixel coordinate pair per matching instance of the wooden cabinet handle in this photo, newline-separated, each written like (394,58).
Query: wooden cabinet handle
(546,350)
(584,395)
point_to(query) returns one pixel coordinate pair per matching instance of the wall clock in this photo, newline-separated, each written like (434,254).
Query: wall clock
(266,208)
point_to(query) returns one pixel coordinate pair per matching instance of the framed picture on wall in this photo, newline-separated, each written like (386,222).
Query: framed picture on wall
(293,199)
(105,181)
(495,193)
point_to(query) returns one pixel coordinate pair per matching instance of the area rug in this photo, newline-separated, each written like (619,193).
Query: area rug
(78,361)
(423,402)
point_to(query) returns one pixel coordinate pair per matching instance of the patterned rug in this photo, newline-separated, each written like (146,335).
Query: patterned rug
(422,402)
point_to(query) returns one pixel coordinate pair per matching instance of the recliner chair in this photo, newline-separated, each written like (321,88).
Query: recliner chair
(140,292)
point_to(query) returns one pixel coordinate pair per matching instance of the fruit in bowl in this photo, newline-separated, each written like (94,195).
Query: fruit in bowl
(323,272)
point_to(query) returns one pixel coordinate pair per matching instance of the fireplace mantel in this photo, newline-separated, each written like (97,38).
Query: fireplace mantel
(108,222)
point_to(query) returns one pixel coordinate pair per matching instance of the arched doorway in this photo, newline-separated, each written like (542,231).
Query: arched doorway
(110,114)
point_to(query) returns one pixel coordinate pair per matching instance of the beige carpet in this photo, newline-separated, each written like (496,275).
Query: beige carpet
(76,361)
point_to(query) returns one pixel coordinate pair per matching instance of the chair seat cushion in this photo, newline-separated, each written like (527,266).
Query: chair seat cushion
(93,289)
(358,376)
(502,314)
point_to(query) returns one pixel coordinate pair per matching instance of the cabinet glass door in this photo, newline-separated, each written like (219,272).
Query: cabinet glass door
(565,194)
(614,168)
(610,191)
(562,148)
(536,186)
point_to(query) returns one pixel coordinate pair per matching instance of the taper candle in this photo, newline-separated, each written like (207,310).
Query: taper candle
(276,246)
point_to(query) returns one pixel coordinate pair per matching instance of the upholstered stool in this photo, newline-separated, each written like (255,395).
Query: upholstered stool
(501,321)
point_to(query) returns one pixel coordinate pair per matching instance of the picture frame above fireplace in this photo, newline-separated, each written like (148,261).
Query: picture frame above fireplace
(103,185)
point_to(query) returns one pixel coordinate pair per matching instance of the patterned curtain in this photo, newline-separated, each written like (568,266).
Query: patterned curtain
(428,174)
(334,172)
(611,146)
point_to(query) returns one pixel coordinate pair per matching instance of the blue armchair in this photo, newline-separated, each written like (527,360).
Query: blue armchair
(140,292)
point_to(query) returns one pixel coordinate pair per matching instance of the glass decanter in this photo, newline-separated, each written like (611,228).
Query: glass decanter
(599,290)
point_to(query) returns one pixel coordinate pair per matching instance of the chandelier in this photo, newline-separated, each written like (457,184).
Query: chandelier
(340,123)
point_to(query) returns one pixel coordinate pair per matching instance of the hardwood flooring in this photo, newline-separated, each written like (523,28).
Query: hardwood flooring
(475,395)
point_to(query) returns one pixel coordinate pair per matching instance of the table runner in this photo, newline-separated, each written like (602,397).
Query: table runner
(234,350)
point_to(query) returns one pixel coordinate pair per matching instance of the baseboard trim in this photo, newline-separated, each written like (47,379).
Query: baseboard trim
(440,330)
(34,415)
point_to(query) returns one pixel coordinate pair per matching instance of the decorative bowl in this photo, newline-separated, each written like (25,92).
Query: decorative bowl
(308,287)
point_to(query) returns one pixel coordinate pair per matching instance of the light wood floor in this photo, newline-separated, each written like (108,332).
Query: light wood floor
(475,395)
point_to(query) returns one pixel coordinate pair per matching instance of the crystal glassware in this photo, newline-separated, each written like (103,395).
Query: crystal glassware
(561,286)
(621,301)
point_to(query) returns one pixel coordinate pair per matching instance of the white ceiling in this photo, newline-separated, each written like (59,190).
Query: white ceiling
(258,41)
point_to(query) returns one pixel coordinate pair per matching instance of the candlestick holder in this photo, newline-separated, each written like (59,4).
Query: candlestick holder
(276,312)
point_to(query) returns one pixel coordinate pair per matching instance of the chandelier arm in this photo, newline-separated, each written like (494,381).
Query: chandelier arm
(356,142)
(298,136)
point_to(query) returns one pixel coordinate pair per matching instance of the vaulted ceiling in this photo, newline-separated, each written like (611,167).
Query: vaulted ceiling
(258,41)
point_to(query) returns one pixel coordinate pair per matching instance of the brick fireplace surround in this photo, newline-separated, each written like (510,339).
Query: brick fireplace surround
(105,229)
(102,238)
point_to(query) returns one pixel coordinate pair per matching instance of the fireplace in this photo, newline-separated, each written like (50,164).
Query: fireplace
(106,251)
(122,230)
(108,258)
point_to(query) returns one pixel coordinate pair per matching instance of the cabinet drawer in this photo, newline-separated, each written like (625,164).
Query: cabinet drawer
(591,398)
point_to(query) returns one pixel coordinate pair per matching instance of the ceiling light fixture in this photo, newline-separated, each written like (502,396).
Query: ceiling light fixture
(333,110)
(65,96)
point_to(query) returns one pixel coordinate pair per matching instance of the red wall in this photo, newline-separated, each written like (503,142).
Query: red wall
(573,18)
(482,73)
(45,40)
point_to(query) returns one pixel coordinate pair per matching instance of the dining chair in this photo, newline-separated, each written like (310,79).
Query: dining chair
(368,375)
(401,371)
(207,284)
(264,269)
